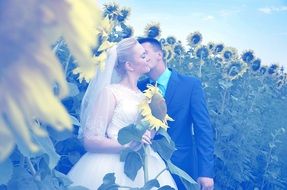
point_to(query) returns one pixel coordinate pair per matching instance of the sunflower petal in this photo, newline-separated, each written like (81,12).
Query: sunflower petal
(7,141)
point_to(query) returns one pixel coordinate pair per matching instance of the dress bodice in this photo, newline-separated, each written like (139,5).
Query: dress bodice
(126,111)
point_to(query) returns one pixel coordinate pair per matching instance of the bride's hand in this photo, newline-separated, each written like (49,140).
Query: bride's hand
(147,136)
(146,139)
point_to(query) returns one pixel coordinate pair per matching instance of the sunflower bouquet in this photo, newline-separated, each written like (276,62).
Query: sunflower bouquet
(154,118)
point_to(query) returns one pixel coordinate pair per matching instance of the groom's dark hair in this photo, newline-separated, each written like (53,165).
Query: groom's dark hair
(154,42)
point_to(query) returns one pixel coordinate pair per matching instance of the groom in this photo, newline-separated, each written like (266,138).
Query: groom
(191,131)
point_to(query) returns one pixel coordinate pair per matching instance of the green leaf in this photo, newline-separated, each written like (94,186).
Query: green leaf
(124,153)
(74,156)
(46,146)
(164,133)
(143,125)
(166,187)
(225,84)
(65,181)
(75,121)
(109,178)
(22,179)
(73,89)
(49,182)
(150,184)
(163,147)
(109,182)
(187,180)
(130,133)
(77,188)
(59,135)
(6,171)
(42,165)
(132,165)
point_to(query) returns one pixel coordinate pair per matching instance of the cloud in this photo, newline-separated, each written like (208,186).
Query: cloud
(208,18)
(269,10)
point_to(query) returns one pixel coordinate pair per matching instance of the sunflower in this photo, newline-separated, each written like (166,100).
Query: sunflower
(273,69)
(256,64)
(124,13)
(152,30)
(202,52)
(127,31)
(263,70)
(168,52)
(282,80)
(171,40)
(235,69)
(218,48)
(211,46)
(178,49)
(30,70)
(111,10)
(194,39)
(87,72)
(248,56)
(153,109)
(162,41)
(229,54)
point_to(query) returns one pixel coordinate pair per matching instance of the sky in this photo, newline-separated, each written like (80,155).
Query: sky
(259,25)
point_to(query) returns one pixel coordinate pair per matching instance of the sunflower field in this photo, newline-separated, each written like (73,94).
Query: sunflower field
(45,69)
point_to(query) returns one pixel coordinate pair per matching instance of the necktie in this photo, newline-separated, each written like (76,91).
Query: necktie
(161,88)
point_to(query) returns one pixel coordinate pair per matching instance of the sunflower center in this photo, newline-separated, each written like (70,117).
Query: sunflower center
(158,107)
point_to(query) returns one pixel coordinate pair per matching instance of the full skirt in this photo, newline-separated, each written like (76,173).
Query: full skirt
(90,170)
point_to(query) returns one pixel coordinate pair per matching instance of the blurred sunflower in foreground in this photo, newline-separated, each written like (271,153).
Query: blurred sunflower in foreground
(30,72)
(154,110)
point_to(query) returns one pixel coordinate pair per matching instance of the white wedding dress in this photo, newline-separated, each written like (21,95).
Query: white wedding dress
(92,167)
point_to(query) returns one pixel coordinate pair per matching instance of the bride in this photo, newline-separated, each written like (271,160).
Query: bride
(111,103)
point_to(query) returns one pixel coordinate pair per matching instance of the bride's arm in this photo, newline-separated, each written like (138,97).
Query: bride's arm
(95,139)
(102,144)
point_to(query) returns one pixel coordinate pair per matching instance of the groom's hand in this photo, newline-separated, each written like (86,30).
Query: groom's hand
(205,183)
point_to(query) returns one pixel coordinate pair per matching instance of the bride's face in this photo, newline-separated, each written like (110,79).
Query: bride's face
(140,60)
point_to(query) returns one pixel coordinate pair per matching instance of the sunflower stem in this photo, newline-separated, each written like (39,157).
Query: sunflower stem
(200,65)
(126,187)
(160,173)
(55,49)
(22,161)
(31,167)
(145,167)
(223,101)
(67,64)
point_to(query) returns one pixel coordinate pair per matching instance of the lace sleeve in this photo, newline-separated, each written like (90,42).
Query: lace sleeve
(100,115)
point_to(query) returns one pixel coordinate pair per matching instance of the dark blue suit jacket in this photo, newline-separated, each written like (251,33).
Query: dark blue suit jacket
(191,131)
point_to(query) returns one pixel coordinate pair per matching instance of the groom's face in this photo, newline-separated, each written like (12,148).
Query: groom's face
(152,54)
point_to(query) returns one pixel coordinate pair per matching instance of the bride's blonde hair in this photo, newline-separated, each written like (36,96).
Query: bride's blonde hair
(124,53)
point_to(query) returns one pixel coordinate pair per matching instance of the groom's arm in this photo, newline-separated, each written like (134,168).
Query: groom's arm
(203,130)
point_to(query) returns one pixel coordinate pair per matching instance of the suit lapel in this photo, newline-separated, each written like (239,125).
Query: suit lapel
(171,87)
